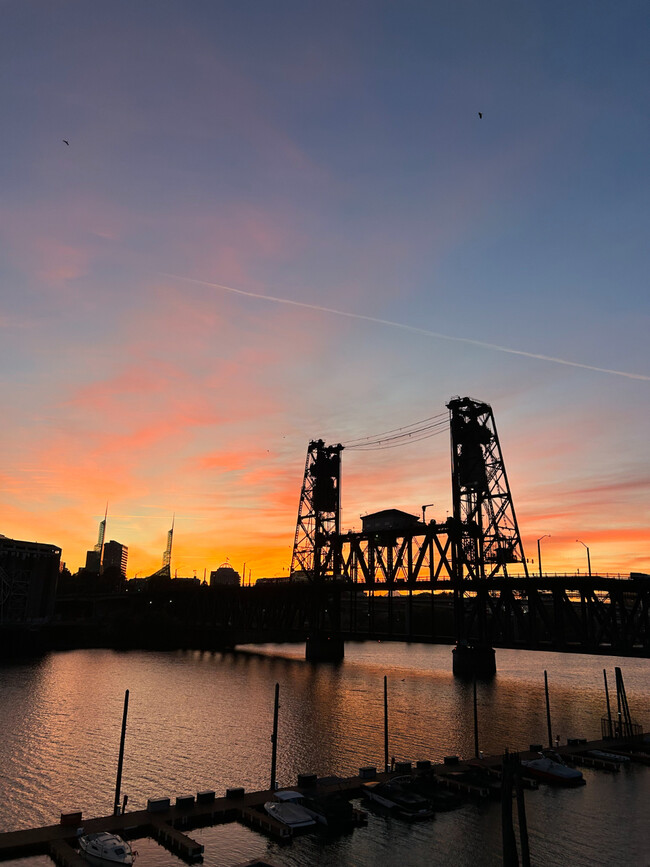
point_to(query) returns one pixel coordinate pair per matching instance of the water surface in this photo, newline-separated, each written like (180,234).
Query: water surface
(199,721)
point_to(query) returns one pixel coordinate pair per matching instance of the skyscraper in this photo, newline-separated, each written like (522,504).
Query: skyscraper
(115,557)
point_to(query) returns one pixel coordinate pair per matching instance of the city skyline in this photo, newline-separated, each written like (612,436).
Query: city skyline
(229,229)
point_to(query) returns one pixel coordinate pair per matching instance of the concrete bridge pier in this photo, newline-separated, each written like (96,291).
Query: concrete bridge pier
(324,647)
(474,660)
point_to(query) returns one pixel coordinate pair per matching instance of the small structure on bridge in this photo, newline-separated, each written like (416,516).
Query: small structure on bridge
(389,519)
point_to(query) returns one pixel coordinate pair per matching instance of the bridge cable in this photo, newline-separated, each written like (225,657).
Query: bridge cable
(403,436)
(405,431)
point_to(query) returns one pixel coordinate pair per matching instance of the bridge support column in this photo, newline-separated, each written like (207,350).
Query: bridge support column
(324,647)
(474,660)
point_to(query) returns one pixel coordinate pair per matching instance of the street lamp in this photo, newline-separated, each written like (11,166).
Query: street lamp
(424,509)
(539,552)
(588,558)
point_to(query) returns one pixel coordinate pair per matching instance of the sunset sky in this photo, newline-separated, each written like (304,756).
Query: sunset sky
(284,220)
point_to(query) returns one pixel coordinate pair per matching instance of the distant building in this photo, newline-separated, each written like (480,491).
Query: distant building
(28,579)
(94,558)
(93,562)
(115,558)
(225,576)
(178,581)
(389,519)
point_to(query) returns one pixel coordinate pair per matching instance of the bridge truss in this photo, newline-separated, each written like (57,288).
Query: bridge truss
(424,553)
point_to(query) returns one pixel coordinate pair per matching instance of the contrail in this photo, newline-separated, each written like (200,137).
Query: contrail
(411,328)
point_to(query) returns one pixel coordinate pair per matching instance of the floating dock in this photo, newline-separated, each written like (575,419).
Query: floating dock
(163,821)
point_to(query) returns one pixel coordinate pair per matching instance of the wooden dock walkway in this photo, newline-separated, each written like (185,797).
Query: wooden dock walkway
(163,821)
(64,855)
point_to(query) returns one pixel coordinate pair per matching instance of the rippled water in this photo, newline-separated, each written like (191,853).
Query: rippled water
(200,721)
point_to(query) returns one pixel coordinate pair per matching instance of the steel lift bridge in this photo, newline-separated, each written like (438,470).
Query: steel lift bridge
(478,542)
(463,581)
(472,566)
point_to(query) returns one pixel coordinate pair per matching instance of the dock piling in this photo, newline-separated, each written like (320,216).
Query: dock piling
(476,749)
(274,738)
(118,782)
(386,765)
(610,730)
(548,712)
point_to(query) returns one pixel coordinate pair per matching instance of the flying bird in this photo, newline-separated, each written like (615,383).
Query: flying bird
(480,114)
(65,142)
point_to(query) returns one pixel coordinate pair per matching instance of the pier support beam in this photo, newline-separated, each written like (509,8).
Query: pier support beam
(474,660)
(324,647)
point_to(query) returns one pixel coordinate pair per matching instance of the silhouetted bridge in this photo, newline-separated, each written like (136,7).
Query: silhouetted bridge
(564,613)
(570,614)
(401,577)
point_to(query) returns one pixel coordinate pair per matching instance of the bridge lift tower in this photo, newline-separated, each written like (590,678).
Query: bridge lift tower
(487,537)
(316,556)
(485,534)
(319,515)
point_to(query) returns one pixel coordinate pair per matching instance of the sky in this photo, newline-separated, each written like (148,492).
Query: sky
(284,220)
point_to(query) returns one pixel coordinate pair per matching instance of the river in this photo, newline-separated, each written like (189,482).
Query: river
(204,720)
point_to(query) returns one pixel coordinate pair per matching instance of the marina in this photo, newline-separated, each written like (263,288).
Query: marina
(163,820)
(197,779)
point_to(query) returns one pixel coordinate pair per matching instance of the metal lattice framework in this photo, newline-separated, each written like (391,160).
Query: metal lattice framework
(319,515)
(419,554)
(487,535)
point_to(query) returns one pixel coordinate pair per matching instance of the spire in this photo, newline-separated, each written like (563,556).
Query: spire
(99,547)
(167,556)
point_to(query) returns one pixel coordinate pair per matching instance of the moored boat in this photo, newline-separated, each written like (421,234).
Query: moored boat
(607,757)
(332,811)
(103,848)
(430,788)
(552,769)
(288,810)
(400,799)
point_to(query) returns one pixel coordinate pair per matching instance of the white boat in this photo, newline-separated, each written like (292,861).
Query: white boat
(400,799)
(287,809)
(103,848)
(553,770)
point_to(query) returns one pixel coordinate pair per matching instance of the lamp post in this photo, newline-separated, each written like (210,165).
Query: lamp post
(424,510)
(539,552)
(588,558)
